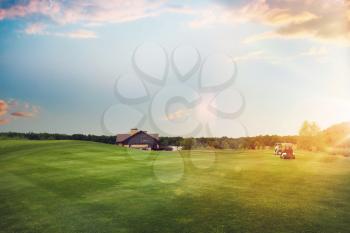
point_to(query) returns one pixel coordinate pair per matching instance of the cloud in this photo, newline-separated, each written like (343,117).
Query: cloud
(41,29)
(262,36)
(318,19)
(264,56)
(12,103)
(5,121)
(208,17)
(315,51)
(251,56)
(80,34)
(46,7)
(257,11)
(35,109)
(331,21)
(26,110)
(3,107)
(272,12)
(179,114)
(261,56)
(23,114)
(35,28)
(13,108)
(82,11)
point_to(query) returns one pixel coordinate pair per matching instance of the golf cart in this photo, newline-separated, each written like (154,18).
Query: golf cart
(284,150)
(278,148)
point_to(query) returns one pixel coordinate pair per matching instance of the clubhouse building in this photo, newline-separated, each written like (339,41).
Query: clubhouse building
(138,139)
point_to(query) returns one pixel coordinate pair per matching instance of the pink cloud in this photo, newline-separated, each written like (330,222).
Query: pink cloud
(40,29)
(35,109)
(23,114)
(35,28)
(3,107)
(318,19)
(80,34)
(86,13)
(179,114)
(13,108)
(108,11)
(45,7)
(93,11)
(5,121)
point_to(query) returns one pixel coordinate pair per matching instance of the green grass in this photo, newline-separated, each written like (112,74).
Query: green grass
(72,186)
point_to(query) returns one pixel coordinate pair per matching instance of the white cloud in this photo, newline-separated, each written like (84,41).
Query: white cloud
(81,11)
(35,28)
(317,19)
(315,51)
(179,114)
(42,29)
(80,34)
(251,56)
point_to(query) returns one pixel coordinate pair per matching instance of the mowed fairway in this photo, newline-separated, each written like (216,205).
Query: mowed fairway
(72,186)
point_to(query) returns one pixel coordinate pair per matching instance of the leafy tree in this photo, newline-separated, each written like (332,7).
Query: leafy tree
(310,137)
(187,143)
(309,129)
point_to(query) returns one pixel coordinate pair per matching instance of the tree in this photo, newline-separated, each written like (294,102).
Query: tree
(310,137)
(187,143)
(309,129)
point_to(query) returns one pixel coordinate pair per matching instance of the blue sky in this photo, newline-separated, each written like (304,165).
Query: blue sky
(59,62)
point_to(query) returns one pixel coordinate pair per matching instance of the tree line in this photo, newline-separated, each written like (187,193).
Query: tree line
(258,142)
(55,136)
(335,139)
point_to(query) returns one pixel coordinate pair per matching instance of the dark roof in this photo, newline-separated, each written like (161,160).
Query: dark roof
(123,137)
(154,135)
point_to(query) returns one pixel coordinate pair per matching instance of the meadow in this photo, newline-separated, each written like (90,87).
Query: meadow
(73,186)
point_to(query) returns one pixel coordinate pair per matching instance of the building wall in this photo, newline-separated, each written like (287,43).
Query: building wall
(142,138)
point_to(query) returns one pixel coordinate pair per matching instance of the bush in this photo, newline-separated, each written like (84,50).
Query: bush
(340,151)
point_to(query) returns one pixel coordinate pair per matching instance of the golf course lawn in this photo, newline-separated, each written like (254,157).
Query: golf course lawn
(73,186)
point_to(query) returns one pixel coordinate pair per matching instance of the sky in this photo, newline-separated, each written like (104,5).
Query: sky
(177,68)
